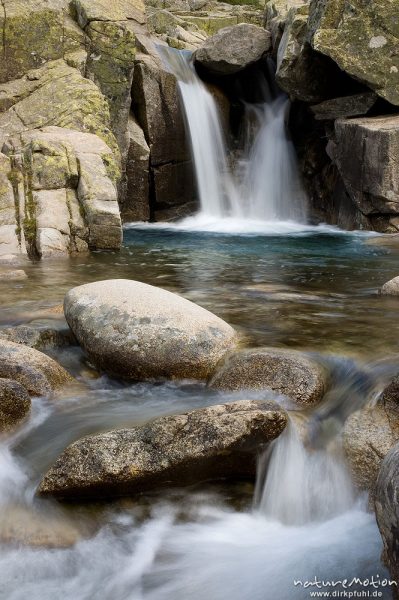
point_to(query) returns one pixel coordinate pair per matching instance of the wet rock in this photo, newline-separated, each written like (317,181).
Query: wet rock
(369,434)
(391,287)
(366,152)
(363,40)
(346,106)
(387,509)
(37,372)
(286,372)
(10,242)
(138,331)
(233,48)
(38,337)
(14,404)
(216,442)
(14,275)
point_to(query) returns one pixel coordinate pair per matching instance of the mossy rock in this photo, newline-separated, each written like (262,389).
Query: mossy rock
(35,32)
(362,38)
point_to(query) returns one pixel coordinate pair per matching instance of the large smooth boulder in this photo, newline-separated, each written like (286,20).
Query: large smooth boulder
(286,372)
(36,371)
(134,330)
(363,40)
(216,442)
(369,434)
(233,48)
(387,510)
(14,403)
(366,152)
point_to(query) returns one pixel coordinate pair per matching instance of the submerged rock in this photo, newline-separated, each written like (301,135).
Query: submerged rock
(216,442)
(369,434)
(233,48)
(387,509)
(36,371)
(391,287)
(14,403)
(286,372)
(38,337)
(137,331)
(23,525)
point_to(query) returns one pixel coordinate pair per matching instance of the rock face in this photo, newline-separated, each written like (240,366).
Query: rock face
(366,152)
(286,372)
(38,373)
(38,337)
(362,38)
(371,145)
(391,287)
(137,331)
(35,32)
(233,48)
(369,434)
(64,192)
(14,403)
(387,510)
(210,443)
(157,109)
(346,106)
(137,206)
(301,72)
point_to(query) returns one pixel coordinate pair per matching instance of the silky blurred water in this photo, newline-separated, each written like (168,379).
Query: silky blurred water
(314,289)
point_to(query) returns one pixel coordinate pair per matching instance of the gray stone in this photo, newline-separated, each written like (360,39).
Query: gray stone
(391,287)
(138,331)
(65,191)
(369,434)
(362,38)
(286,372)
(14,404)
(39,373)
(387,510)
(137,204)
(346,106)
(233,48)
(366,152)
(301,72)
(38,337)
(217,442)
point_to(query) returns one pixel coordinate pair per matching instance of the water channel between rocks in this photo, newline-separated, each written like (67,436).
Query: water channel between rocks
(315,290)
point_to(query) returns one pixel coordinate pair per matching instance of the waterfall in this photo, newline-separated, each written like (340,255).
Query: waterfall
(303,485)
(267,186)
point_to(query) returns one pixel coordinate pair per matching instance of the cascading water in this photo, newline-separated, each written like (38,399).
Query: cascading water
(268,186)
